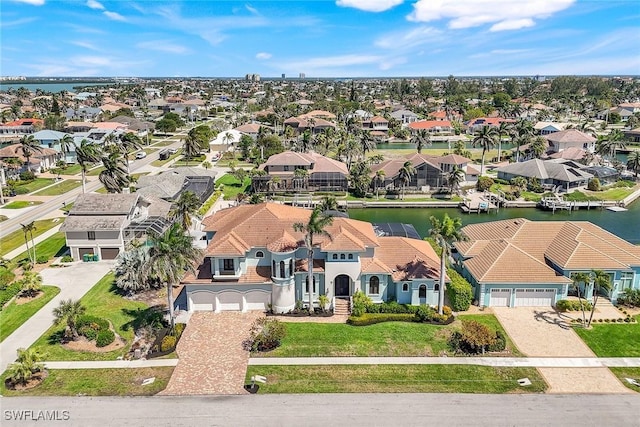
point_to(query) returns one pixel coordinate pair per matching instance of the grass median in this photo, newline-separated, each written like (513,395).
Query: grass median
(21,204)
(60,188)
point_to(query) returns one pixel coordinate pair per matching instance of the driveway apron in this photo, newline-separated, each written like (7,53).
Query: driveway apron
(212,357)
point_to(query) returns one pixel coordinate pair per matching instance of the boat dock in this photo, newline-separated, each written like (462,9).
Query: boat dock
(558,203)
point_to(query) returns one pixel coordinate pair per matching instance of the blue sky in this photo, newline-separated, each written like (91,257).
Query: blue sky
(322,38)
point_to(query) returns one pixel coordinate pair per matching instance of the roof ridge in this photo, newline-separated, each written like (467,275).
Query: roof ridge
(598,238)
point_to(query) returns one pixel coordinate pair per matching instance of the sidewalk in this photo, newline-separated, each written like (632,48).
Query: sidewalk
(14,253)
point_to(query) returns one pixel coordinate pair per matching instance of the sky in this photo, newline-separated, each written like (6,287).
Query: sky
(321,38)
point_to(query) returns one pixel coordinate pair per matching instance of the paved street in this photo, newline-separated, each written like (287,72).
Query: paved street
(333,410)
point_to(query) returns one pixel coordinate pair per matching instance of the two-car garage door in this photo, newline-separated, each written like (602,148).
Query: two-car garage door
(530,297)
(202,300)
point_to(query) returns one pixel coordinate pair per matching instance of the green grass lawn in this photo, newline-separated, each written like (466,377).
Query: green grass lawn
(623,373)
(96,171)
(613,193)
(97,382)
(60,188)
(36,184)
(613,340)
(53,246)
(493,322)
(20,204)
(232,187)
(396,379)
(69,170)
(13,316)
(158,163)
(382,339)
(16,239)
(102,301)
(579,196)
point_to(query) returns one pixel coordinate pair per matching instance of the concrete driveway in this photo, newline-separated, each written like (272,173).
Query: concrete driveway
(74,281)
(543,332)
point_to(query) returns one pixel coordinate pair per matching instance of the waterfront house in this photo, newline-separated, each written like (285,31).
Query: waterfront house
(475,124)
(255,260)
(561,173)
(518,262)
(39,161)
(433,126)
(559,141)
(405,117)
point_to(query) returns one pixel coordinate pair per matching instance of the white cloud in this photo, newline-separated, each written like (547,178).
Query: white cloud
(263,55)
(85,45)
(17,22)
(369,5)
(503,14)
(31,2)
(114,16)
(93,4)
(251,9)
(408,39)
(163,46)
(332,62)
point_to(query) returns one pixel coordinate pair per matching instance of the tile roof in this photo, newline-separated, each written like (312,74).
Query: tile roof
(570,135)
(406,258)
(107,204)
(430,124)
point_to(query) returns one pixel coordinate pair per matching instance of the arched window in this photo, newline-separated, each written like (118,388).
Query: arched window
(282,269)
(436,287)
(342,256)
(273,270)
(422,291)
(374,285)
(306,288)
(405,287)
(335,256)
(350,256)
(259,254)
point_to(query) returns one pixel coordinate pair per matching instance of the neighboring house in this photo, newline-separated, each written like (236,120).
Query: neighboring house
(632,135)
(83,113)
(255,261)
(51,139)
(547,128)
(517,262)
(476,124)
(404,116)
(168,185)
(39,161)
(433,126)
(304,122)
(104,224)
(323,173)
(560,173)
(21,127)
(559,141)
(250,129)
(378,126)
(606,175)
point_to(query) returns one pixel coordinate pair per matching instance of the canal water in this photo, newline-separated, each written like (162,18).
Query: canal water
(623,224)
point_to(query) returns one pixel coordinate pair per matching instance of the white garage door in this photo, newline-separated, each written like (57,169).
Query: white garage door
(229,301)
(202,301)
(257,300)
(500,298)
(535,297)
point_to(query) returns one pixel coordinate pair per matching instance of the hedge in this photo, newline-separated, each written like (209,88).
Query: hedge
(572,305)
(105,337)
(459,291)
(373,318)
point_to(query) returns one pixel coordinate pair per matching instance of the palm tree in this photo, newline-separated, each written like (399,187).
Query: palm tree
(522,134)
(406,172)
(633,162)
(300,177)
(170,255)
(69,311)
(128,270)
(601,282)
(421,138)
(607,145)
(367,142)
(86,153)
(378,181)
(190,147)
(584,279)
(485,137)
(328,203)
(28,363)
(129,142)
(28,229)
(114,176)
(455,177)
(29,145)
(66,142)
(445,233)
(538,147)
(31,284)
(184,208)
(316,225)
(504,129)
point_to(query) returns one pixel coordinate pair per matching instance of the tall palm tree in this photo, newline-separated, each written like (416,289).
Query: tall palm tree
(584,279)
(328,203)
(129,142)
(300,177)
(503,130)
(66,142)
(378,181)
(421,138)
(521,135)
(28,229)
(633,162)
(170,255)
(190,147)
(406,172)
(184,208)
(601,283)
(29,145)
(485,137)
(455,177)
(114,176)
(87,153)
(316,225)
(367,142)
(607,145)
(445,233)
(69,311)
(538,147)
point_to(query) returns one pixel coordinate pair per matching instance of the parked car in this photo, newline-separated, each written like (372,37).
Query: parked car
(215,157)
(141,155)
(172,151)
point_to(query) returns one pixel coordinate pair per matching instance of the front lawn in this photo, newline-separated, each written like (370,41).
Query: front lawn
(53,246)
(60,188)
(95,171)
(20,204)
(396,379)
(34,185)
(232,187)
(102,301)
(69,170)
(622,373)
(14,240)
(14,315)
(613,340)
(97,382)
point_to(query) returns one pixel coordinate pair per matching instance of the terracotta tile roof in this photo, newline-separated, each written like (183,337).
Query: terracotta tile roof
(203,273)
(430,124)
(374,265)
(286,243)
(407,258)
(257,274)
(301,265)
(570,135)
(343,241)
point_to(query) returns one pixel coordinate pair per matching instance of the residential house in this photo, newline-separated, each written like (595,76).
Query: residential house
(562,140)
(405,117)
(632,135)
(305,122)
(51,139)
(255,260)
(518,262)
(433,126)
(323,173)
(104,224)
(20,127)
(476,124)
(428,174)
(250,129)
(560,173)
(547,128)
(378,126)
(168,185)
(39,161)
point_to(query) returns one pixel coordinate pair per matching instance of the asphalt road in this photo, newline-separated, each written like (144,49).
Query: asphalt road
(329,410)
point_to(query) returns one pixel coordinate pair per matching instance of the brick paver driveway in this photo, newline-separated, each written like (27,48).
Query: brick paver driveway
(543,332)
(212,358)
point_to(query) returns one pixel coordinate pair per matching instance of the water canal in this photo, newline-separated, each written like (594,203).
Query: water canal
(623,224)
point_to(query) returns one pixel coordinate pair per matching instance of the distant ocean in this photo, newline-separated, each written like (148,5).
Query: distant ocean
(50,87)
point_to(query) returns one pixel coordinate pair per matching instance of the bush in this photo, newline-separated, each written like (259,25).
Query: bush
(105,337)
(27,176)
(500,343)
(178,328)
(572,305)
(373,318)
(66,258)
(484,183)
(594,184)
(630,298)
(6,276)
(459,291)
(168,343)
(360,303)
(8,292)
(474,338)
(267,334)
(42,259)
(428,314)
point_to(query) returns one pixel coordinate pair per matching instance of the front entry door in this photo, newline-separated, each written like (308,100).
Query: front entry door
(342,285)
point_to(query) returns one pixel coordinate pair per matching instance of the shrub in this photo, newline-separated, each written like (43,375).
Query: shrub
(95,322)
(27,176)
(360,303)
(373,318)
(178,328)
(323,300)
(9,292)
(484,183)
(500,344)
(474,337)
(168,343)
(66,258)
(630,298)
(593,184)
(6,276)
(459,291)
(446,310)
(105,337)
(572,305)
(267,334)
(42,259)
